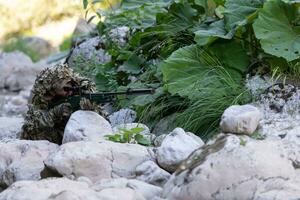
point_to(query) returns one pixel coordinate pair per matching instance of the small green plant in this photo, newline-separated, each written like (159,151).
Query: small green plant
(257,136)
(130,136)
(243,142)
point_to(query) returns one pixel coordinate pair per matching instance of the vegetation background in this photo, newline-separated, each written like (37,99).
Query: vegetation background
(196,54)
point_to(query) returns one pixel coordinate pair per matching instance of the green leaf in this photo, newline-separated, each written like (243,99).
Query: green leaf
(190,69)
(206,34)
(237,11)
(114,138)
(127,137)
(85,4)
(133,64)
(136,130)
(140,139)
(147,99)
(232,55)
(136,13)
(277,30)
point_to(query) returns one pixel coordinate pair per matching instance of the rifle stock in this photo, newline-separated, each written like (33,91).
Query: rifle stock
(99,97)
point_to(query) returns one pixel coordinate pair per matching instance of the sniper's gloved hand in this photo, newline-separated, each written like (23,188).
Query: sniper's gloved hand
(86,104)
(62,111)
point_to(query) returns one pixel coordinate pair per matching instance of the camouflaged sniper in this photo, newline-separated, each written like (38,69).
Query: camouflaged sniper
(43,123)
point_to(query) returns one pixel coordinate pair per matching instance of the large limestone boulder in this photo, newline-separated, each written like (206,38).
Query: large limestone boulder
(64,189)
(17,71)
(120,193)
(176,147)
(147,190)
(97,160)
(87,126)
(235,167)
(10,127)
(22,160)
(150,172)
(240,119)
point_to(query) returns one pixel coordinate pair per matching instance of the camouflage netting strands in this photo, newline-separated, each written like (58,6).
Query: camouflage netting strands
(43,122)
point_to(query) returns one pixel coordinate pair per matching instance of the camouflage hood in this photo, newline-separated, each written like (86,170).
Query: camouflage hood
(51,78)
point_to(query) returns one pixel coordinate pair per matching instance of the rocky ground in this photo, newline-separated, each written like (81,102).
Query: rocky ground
(257,155)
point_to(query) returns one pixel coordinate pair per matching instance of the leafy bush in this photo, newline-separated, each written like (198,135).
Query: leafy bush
(130,136)
(196,54)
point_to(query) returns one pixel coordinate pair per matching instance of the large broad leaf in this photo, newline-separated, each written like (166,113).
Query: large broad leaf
(232,55)
(136,13)
(237,12)
(206,34)
(278,31)
(190,69)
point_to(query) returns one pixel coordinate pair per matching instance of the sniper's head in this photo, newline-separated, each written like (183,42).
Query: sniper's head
(54,82)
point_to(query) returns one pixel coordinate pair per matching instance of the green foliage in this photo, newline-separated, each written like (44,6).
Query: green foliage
(257,136)
(66,44)
(130,136)
(18,44)
(196,53)
(206,34)
(134,13)
(243,142)
(197,74)
(191,69)
(279,33)
(238,12)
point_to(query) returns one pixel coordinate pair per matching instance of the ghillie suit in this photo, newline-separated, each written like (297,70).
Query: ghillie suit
(43,122)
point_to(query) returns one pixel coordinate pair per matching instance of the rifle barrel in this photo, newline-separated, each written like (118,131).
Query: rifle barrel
(128,92)
(100,97)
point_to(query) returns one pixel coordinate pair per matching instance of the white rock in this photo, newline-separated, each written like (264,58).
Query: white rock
(64,189)
(232,168)
(175,148)
(281,111)
(278,189)
(148,191)
(150,172)
(14,105)
(17,71)
(89,51)
(240,119)
(97,161)
(42,47)
(157,141)
(22,160)
(10,127)
(120,35)
(87,126)
(120,193)
(165,125)
(123,116)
